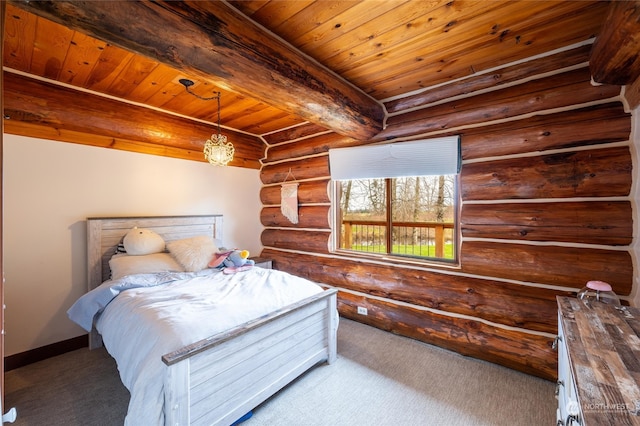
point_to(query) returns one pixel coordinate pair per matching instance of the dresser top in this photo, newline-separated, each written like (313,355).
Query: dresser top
(604,356)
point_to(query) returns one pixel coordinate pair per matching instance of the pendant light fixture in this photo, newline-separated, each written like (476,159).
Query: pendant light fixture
(217,150)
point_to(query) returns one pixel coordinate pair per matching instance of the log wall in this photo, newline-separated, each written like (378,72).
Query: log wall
(544,207)
(39,109)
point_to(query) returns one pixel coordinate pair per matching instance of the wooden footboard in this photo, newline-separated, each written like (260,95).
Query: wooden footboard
(219,379)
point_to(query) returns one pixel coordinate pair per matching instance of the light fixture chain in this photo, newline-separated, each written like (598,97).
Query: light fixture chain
(217,150)
(217,96)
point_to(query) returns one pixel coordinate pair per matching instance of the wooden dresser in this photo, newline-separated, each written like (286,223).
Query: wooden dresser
(598,364)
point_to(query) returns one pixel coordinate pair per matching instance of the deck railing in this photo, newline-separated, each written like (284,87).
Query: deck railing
(427,239)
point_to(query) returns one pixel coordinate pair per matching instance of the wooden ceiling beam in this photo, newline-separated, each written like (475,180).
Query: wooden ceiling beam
(213,40)
(615,55)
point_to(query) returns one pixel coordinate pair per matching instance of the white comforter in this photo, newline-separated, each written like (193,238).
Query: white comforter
(153,315)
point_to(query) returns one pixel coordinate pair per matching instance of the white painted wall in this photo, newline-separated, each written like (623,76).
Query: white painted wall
(49,190)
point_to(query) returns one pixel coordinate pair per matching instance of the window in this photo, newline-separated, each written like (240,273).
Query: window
(384,211)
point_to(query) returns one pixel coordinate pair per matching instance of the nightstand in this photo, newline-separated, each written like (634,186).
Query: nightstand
(263,262)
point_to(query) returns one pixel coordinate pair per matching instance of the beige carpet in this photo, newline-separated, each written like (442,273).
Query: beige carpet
(379,379)
(383,379)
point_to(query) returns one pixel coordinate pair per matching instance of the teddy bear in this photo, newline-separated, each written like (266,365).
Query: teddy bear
(232,261)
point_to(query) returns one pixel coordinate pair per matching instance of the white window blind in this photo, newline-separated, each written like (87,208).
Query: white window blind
(437,156)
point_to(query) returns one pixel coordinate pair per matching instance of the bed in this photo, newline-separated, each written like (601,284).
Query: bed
(219,377)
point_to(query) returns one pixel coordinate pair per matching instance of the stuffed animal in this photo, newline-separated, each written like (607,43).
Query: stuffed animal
(141,241)
(238,258)
(232,261)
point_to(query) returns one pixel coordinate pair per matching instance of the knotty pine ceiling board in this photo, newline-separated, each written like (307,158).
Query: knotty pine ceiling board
(388,49)
(39,47)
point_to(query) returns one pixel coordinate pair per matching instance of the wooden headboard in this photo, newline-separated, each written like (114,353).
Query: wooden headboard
(105,233)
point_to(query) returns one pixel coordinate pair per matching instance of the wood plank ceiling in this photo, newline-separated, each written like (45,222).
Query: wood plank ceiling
(386,49)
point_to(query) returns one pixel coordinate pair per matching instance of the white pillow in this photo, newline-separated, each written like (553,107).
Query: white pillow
(123,264)
(193,253)
(140,241)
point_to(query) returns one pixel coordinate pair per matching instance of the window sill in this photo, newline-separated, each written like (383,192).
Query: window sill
(392,260)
